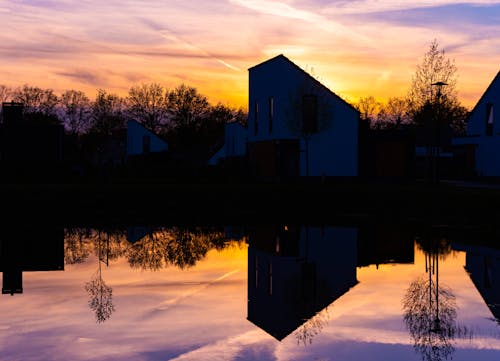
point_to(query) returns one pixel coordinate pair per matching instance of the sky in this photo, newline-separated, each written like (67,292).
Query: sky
(357,48)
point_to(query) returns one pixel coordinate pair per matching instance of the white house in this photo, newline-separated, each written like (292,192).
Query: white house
(297,126)
(141,140)
(235,143)
(482,140)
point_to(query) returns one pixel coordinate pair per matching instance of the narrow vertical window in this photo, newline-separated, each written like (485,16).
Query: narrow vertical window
(270,278)
(489,119)
(256,116)
(271,114)
(277,245)
(256,262)
(146,144)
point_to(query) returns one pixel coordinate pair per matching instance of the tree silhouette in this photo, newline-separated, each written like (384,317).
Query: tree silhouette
(106,113)
(75,111)
(147,104)
(425,100)
(36,100)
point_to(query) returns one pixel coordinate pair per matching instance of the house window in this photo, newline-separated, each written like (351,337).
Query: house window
(271,114)
(489,119)
(256,261)
(309,113)
(270,278)
(146,144)
(256,111)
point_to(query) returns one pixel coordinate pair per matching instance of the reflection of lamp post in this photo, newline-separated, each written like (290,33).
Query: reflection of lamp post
(432,267)
(439,86)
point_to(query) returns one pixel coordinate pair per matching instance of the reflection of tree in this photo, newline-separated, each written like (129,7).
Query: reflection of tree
(177,246)
(100,296)
(312,327)
(76,247)
(79,242)
(148,253)
(430,309)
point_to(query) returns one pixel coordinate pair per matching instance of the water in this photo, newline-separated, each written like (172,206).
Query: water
(266,292)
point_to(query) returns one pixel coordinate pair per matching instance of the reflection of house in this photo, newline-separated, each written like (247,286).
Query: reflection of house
(483,267)
(380,244)
(297,126)
(135,234)
(27,249)
(480,148)
(294,273)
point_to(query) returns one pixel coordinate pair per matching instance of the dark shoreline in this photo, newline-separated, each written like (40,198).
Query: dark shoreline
(233,203)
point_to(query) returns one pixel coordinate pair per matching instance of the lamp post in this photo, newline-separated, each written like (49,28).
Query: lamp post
(439,85)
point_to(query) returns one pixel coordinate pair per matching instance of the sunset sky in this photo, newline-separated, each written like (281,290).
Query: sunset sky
(357,48)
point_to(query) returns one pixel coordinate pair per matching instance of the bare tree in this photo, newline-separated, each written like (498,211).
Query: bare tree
(5,93)
(75,109)
(368,108)
(148,105)
(393,113)
(106,113)
(435,67)
(187,107)
(36,100)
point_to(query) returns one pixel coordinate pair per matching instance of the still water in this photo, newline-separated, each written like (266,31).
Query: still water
(272,292)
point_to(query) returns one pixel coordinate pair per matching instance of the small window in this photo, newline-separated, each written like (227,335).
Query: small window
(256,117)
(256,262)
(146,144)
(309,113)
(270,278)
(271,114)
(489,119)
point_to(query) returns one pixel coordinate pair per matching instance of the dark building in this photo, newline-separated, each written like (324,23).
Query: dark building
(31,145)
(386,153)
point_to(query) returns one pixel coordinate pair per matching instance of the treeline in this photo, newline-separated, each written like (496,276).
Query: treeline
(431,99)
(180,114)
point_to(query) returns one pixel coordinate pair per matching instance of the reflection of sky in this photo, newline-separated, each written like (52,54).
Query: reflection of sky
(358,48)
(200,314)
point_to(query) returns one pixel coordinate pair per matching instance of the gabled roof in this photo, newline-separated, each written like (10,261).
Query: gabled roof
(148,129)
(495,79)
(282,57)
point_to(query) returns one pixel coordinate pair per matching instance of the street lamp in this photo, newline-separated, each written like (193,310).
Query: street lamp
(439,85)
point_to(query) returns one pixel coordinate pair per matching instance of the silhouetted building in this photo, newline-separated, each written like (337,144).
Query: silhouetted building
(386,153)
(27,249)
(297,126)
(30,144)
(295,272)
(479,149)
